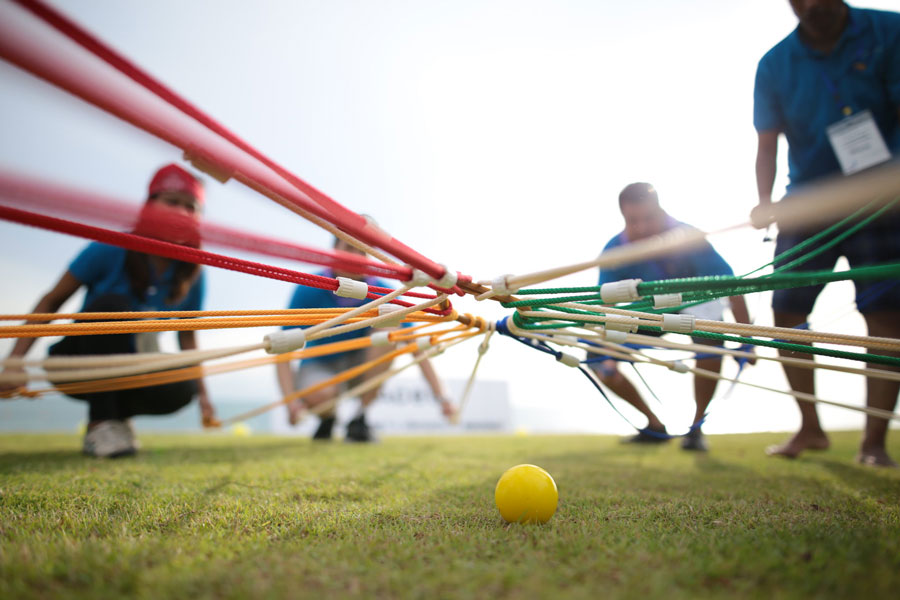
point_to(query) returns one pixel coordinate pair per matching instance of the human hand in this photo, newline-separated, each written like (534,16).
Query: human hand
(208,412)
(449,410)
(8,390)
(762,215)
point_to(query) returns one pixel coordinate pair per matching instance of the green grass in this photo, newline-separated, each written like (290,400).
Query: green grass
(216,517)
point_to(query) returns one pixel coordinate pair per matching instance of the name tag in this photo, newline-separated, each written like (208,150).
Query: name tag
(857,143)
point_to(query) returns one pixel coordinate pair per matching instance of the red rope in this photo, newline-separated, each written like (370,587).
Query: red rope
(27,193)
(138,243)
(334,212)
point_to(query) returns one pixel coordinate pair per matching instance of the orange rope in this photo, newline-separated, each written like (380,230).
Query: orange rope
(117,327)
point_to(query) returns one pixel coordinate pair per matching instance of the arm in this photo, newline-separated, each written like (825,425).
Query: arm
(766,155)
(437,388)
(187,340)
(49,303)
(285,378)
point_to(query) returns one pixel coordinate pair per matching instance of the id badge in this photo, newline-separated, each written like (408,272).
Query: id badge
(857,143)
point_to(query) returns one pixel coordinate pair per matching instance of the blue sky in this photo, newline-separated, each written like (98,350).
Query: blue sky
(491,136)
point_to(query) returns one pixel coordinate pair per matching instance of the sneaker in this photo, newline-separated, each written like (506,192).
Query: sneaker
(647,436)
(110,439)
(358,431)
(695,440)
(323,432)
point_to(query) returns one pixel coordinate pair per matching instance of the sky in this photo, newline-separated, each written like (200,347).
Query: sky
(493,137)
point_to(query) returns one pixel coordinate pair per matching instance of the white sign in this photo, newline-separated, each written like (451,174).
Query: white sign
(857,143)
(406,407)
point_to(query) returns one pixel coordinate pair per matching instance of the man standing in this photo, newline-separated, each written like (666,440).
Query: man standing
(832,87)
(639,204)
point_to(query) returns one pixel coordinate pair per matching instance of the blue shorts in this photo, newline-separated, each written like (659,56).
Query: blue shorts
(877,243)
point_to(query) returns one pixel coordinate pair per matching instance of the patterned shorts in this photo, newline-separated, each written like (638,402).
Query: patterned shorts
(877,243)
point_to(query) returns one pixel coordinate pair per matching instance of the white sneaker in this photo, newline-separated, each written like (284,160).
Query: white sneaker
(110,439)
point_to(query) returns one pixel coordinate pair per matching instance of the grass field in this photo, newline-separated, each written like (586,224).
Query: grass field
(220,517)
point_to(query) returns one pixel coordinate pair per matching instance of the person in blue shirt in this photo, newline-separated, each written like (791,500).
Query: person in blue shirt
(119,280)
(839,70)
(644,218)
(314,370)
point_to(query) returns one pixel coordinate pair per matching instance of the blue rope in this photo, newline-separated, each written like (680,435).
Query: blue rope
(503,329)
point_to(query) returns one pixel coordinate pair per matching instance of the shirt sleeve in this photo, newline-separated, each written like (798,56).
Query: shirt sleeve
(766,111)
(609,274)
(91,264)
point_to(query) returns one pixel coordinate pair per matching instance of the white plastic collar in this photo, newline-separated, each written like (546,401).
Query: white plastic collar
(286,340)
(380,338)
(501,285)
(620,291)
(351,288)
(448,280)
(386,309)
(666,300)
(679,367)
(679,323)
(568,359)
(419,278)
(616,337)
(628,326)
(424,343)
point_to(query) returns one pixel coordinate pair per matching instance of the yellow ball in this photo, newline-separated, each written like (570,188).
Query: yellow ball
(526,494)
(241,430)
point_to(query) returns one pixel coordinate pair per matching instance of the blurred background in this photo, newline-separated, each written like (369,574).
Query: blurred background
(491,136)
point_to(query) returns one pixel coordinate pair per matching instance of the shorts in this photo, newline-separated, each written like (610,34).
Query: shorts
(609,365)
(877,243)
(321,369)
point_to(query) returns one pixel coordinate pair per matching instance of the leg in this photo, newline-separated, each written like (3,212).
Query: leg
(611,377)
(309,374)
(704,388)
(102,406)
(880,394)
(374,353)
(811,436)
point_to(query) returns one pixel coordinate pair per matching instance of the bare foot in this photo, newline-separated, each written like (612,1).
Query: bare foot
(875,458)
(800,442)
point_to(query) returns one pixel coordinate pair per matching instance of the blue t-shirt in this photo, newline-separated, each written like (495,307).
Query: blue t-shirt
(102,269)
(701,261)
(800,91)
(310,297)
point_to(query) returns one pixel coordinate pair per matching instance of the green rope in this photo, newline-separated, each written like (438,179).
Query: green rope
(532,323)
(838,239)
(701,289)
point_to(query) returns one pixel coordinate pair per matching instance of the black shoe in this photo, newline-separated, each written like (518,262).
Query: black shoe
(358,431)
(323,433)
(647,436)
(695,441)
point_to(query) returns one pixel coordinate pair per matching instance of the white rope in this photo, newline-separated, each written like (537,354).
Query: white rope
(482,350)
(375,321)
(376,381)
(315,329)
(166,362)
(677,365)
(744,329)
(818,203)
